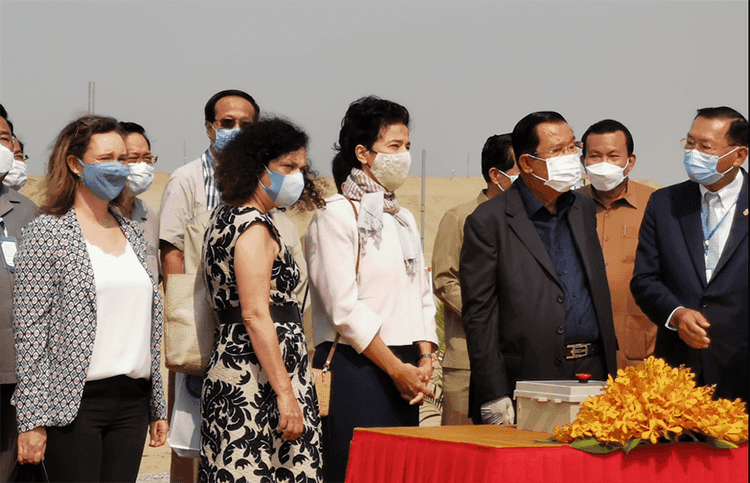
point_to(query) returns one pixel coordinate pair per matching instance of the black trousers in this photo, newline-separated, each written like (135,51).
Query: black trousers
(362,396)
(105,441)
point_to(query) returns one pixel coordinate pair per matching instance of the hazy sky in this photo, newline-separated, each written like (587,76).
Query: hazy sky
(465,70)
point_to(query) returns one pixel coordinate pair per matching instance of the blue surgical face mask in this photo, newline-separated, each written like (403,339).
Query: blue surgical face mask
(702,167)
(285,189)
(105,180)
(223,136)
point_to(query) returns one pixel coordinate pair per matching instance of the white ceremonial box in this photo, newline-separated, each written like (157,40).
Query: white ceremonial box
(542,404)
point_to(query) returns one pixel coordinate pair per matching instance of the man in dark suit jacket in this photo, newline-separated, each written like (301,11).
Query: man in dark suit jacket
(536,302)
(690,275)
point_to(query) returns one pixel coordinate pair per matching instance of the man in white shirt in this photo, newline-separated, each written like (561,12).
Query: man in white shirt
(690,275)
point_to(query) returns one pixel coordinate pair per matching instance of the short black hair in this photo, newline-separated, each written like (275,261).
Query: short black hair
(134,128)
(524,136)
(243,161)
(497,153)
(362,124)
(210,110)
(738,133)
(3,113)
(608,126)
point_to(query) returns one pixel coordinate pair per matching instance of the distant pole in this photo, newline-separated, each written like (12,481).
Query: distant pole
(468,163)
(91,97)
(424,193)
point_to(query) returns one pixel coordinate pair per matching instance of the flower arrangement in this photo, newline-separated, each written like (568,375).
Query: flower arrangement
(654,403)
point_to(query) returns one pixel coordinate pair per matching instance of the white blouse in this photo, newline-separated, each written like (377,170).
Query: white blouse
(383,300)
(122,345)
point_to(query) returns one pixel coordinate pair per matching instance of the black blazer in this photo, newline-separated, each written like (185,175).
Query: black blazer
(670,272)
(513,305)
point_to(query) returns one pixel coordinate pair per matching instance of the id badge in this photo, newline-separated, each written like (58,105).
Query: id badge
(8,248)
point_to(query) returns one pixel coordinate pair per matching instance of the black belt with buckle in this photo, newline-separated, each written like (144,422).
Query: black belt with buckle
(577,351)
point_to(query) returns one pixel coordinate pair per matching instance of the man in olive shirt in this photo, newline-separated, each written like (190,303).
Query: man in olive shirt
(620,204)
(499,170)
(15,212)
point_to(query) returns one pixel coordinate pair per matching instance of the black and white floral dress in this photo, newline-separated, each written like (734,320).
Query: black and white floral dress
(239,442)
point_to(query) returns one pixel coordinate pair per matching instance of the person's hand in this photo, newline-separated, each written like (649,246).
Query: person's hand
(408,380)
(31,446)
(158,431)
(498,411)
(691,326)
(291,424)
(425,369)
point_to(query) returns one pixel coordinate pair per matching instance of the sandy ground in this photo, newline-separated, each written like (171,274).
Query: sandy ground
(441,195)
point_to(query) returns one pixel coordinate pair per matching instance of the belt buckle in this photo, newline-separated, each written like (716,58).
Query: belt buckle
(577,351)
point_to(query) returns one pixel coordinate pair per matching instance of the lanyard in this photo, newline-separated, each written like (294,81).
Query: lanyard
(704,220)
(5,230)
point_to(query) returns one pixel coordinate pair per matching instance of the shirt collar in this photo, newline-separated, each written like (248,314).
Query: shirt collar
(532,204)
(727,194)
(139,210)
(628,196)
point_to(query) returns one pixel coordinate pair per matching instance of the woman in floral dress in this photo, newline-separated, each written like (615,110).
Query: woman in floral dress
(260,418)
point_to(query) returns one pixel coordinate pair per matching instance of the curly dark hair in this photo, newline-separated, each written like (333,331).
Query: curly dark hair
(243,161)
(362,124)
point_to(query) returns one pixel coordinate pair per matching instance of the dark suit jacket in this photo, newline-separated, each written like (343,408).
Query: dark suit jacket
(670,272)
(513,305)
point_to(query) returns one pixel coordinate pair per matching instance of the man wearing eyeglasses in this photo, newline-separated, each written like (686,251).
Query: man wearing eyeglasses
(16,177)
(141,164)
(690,275)
(16,211)
(189,194)
(191,189)
(536,303)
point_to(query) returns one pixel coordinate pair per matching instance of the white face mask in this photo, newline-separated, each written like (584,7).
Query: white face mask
(606,176)
(140,178)
(391,169)
(563,172)
(6,160)
(511,177)
(16,177)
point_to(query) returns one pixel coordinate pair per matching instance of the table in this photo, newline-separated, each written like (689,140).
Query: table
(484,454)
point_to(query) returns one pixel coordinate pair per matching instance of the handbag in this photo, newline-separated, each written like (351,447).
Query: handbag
(323,376)
(189,319)
(27,473)
(184,429)
(189,322)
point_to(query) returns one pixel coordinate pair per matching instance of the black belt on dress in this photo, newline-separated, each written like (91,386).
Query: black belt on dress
(577,351)
(279,313)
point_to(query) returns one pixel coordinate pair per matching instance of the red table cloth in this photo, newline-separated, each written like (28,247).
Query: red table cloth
(483,454)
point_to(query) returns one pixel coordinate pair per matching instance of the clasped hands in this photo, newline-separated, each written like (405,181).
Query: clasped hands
(412,381)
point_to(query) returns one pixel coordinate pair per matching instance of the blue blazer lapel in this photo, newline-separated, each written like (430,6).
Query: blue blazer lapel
(739,227)
(688,214)
(524,229)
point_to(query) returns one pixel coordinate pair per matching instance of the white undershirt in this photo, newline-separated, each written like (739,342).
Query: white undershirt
(124,300)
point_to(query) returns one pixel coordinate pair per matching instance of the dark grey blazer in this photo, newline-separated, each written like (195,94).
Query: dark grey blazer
(513,305)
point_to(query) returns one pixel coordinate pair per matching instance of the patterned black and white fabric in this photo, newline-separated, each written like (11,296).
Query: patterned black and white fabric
(54,321)
(239,442)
